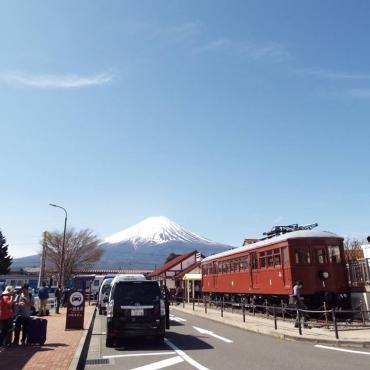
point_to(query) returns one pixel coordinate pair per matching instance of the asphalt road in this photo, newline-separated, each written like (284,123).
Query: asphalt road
(198,343)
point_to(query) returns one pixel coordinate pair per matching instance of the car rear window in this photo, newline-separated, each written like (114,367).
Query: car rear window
(133,292)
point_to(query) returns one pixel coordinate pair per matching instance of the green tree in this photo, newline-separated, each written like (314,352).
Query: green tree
(171,256)
(5,259)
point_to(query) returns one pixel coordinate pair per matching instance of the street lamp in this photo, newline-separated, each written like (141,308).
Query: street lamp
(61,272)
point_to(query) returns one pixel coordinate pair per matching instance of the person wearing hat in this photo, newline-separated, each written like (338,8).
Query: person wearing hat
(6,313)
(23,302)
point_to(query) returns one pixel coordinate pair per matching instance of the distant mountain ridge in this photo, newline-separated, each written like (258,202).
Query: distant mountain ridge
(145,245)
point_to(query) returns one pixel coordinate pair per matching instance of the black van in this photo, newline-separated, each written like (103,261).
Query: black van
(136,308)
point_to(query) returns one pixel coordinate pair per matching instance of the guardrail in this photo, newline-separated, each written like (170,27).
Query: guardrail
(333,319)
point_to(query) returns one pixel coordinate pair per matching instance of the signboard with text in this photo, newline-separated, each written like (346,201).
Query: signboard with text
(75,309)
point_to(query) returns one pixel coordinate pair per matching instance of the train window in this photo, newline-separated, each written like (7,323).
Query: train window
(220,267)
(270,258)
(334,253)
(321,256)
(254,261)
(232,266)
(243,264)
(262,258)
(277,258)
(205,270)
(302,255)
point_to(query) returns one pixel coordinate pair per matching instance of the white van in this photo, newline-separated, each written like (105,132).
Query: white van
(104,295)
(95,285)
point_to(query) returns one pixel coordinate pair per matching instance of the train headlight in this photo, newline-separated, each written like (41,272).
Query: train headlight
(324,275)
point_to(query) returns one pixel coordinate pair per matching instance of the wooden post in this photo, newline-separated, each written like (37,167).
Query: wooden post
(274,313)
(326,315)
(335,323)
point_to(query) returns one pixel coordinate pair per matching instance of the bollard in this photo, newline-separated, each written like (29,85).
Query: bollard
(335,323)
(274,313)
(205,306)
(193,304)
(222,307)
(183,302)
(267,312)
(253,308)
(299,322)
(243,307)
(326,315)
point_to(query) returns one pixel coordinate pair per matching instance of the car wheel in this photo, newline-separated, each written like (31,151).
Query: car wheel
(159,338)
(109,342)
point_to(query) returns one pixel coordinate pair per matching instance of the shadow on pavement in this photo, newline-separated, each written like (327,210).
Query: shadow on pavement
(16,358)
(176,323)
(187,342)
(182,341)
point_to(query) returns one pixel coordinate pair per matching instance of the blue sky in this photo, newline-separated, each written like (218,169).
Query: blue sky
(226,116)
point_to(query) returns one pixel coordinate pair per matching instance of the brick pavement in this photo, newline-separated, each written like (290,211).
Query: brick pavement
(56,354)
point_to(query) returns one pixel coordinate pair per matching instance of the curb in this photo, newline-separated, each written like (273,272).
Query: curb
(276,334)
(79,357)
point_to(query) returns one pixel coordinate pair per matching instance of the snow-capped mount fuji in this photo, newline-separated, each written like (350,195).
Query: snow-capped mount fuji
(156,231)
(145,245)
(148,244)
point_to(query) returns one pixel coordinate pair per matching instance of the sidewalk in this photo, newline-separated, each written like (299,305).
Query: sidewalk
(58,351)
(352,337)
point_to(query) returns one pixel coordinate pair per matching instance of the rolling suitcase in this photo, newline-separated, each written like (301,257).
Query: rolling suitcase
(36,331)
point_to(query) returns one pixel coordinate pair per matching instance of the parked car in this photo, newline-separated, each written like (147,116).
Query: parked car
(103,297)
(136,308)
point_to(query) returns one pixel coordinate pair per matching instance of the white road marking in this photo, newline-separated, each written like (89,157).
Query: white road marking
(212,334)
(176,318)
(185,357)
(161,364)
(140,354)
(342,350)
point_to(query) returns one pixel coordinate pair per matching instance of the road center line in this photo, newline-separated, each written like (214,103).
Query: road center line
(185,357)
(342,350)
(161,364)
(140,354)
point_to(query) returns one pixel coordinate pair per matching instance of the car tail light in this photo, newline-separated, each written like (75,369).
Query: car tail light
(163,308)
(110,308)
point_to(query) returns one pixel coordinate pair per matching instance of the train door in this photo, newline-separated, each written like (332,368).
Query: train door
(215,274)
(287,279)
(254,269)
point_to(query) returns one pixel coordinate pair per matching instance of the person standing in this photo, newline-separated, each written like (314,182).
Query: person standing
(43,296)
(6,313)
(23,303)
(298,301)
(58,297)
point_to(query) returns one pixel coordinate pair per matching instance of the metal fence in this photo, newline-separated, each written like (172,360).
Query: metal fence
(332,319)
(359,272)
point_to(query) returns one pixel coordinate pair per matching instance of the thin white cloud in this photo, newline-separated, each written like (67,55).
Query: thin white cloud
(333,75)
(46,81)
(359,93)
(271,51)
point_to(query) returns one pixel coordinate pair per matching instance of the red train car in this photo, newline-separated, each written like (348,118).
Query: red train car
(268,268)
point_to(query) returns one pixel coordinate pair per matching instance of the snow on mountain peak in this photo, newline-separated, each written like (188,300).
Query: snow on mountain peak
(155,230)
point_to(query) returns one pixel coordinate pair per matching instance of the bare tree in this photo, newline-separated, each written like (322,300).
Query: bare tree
(81,249)
(352,248)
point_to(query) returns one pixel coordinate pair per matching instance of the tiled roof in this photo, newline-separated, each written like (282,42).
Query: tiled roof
(172,263)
